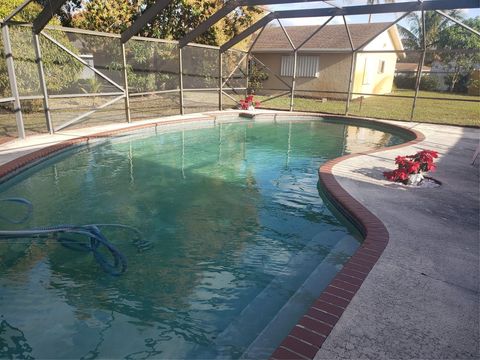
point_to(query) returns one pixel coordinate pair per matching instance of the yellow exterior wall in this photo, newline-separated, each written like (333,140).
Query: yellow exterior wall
(334,72)
(367,66)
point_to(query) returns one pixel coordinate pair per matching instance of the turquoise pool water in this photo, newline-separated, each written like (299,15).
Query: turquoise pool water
(233,225)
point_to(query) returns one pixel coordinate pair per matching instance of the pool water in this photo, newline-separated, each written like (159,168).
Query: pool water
(233,228)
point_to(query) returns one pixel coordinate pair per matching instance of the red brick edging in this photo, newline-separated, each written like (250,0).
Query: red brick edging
(308,336)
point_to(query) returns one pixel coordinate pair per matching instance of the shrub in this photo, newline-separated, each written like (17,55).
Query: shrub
(256,77)
(427,82)
(61,70)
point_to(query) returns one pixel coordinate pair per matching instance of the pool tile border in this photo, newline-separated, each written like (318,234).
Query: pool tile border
(308,336)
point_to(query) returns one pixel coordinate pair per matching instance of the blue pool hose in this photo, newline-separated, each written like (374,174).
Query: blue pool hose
(92,231)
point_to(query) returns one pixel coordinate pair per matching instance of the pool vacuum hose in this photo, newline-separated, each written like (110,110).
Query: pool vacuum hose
(115,266)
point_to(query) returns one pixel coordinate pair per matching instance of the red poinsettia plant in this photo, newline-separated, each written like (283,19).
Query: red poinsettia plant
(248,102)
(422,161)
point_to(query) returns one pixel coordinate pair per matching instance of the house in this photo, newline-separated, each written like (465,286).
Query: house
(410,69)
(443,73)
(324,62)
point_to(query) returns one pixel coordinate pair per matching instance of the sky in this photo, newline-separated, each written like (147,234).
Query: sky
(350,19)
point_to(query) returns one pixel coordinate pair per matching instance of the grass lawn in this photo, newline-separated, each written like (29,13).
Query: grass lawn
(446,111)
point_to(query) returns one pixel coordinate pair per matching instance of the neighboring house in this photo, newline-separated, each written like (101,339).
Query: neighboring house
(441,71)
(410,69)
(324,62)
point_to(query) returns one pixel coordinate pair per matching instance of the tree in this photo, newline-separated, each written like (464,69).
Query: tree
(149,65)
(66,11)
(435,23)
(60,69)
(172,23)
(462,53)
(27,14)
(112,16)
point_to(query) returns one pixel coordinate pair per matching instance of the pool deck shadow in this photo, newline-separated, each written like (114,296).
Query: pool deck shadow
(421,299)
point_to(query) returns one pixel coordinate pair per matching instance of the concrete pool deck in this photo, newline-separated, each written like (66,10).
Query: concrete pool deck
(420,300)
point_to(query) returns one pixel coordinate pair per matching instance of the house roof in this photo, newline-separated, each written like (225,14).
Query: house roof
(410,67)
(330,38)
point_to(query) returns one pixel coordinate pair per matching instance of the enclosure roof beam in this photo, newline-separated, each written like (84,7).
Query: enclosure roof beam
(380,8)
(147,16)
(50,9)
(247,32)
(384,29)
(212,20)
(274,2)
(456,21)
(224,11)
(375,8)
(17,10)
(404,7)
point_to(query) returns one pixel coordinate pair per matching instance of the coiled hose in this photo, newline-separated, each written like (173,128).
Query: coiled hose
(115,266)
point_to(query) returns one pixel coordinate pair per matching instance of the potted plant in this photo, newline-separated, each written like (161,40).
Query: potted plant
(412,167)
(249,103)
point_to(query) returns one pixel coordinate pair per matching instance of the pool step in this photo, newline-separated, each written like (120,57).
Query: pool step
(285,298)
(287,317)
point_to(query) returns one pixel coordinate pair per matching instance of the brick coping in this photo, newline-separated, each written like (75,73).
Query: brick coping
(307,337)
(311,331)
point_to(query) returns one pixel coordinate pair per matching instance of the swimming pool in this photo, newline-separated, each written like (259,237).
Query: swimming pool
(236,240)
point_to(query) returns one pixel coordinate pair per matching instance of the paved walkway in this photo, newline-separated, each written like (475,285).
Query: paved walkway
(421,300)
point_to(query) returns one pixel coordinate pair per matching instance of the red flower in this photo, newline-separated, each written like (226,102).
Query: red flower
(400,160)
(412,167)
(402,174)
(244,104)
(431,153)
(247,102)
(431,167)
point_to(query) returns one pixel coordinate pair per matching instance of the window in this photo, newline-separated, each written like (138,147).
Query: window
(381,66)
(307,66)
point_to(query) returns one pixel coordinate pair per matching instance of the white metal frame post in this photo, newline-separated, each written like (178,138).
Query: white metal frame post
(17,108)
(294,78)
(125,81)
(180,69)
(420,67)
(43,84)
(220,80)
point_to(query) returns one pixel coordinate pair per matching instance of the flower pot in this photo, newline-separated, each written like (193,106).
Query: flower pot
(251,108)
(415,179)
